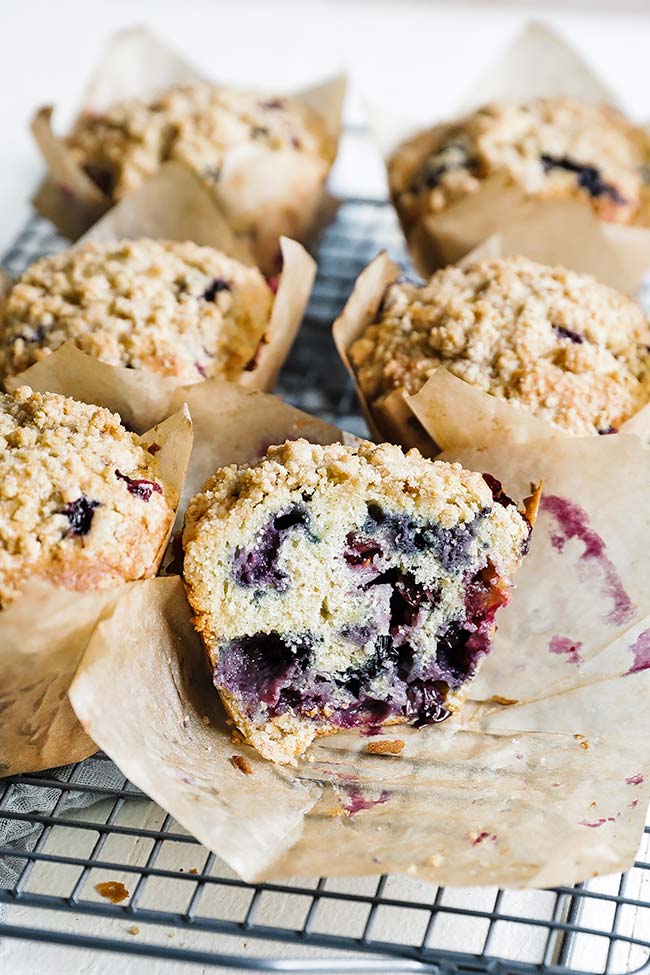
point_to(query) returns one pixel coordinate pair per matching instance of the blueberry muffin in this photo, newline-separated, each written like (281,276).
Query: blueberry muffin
(549,147)
(339,587)
(554,342)
(203,125)
(175,309)
(82,503)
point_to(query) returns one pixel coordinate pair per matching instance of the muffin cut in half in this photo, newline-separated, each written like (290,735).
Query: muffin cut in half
(340,587)
(550,341)
(82,501)
(168,307)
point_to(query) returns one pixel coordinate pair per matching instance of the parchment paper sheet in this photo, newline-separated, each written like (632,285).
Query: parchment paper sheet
(484,798)
(144,398)
(43,635)
(538,63)
(612,262)
(272,192)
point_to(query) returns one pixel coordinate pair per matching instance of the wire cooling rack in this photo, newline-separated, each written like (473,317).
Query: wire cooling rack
(185,905)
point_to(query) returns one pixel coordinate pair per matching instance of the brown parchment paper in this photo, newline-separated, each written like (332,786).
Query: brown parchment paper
(538,63)
(43,635)
(143,398)
(399,418)
(262,194)
(480,799)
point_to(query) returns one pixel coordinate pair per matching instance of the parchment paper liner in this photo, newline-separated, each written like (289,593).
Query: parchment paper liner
(143,398)
(468,801)
(538,63)
(43,635)
(618,264)
(283,193)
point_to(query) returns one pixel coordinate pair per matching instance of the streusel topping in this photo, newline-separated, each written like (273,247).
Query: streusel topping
(82,503)
(169,307)
(195,124)
(552,341)
(549,147)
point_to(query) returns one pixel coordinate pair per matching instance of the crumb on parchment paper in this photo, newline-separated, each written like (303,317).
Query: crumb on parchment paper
(385,747)
(241,762)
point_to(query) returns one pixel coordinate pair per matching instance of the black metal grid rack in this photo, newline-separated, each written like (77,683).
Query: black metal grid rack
(63,831)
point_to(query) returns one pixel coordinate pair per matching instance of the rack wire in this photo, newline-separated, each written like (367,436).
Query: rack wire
(70,830)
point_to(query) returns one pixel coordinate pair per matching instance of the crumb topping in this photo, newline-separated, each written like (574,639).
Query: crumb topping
(550,340)
(168,307)
(195,124)
(550,147)
(64,512)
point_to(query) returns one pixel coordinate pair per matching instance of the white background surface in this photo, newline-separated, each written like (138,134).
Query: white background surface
(416,54)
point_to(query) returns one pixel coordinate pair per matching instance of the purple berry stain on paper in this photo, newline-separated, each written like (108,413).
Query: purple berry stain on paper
(594,824)
(563,646)
(484,835)
(635,779)
(641,653)
(573,522)
(357,802)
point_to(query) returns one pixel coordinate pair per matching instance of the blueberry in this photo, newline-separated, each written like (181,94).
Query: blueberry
(406,600)
(425,702)
(272,104)
(101,177)
(211,292)
(361,551)
(260,667)
(567,333)
(139,487)
(496,487)
(80,515)
(37,335)
(449,158)
(256,567)
(449,545)
(588,177)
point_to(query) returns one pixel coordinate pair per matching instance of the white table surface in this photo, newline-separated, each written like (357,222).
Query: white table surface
(422,54)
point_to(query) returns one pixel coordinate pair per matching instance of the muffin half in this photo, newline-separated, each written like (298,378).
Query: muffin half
(339,587)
